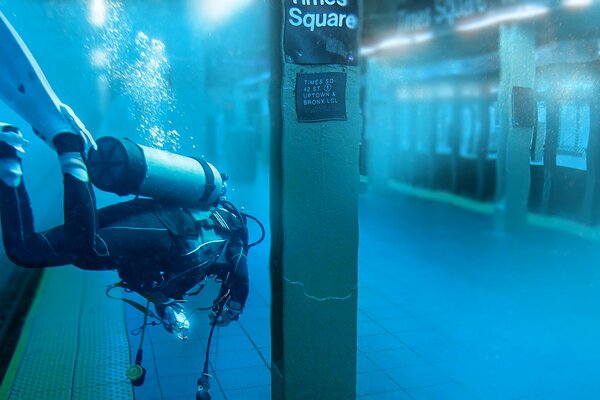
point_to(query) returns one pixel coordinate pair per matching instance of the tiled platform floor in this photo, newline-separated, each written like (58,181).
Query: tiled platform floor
(448,309)
(241,353)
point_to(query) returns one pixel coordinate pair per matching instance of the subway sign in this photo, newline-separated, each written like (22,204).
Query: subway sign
(321,31)
(438,14)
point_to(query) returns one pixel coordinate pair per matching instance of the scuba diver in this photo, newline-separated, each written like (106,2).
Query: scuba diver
(164,244)
(160,250)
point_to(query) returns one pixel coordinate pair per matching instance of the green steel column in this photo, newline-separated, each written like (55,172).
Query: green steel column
(517,68)
(314,226)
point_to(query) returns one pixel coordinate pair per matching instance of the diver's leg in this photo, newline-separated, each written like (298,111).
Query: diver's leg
(79,201)
(22,244)
(135,236)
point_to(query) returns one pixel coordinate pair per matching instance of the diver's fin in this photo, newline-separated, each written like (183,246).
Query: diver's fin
(25,89)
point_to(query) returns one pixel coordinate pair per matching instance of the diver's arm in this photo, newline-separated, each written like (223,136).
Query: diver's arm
(236,283)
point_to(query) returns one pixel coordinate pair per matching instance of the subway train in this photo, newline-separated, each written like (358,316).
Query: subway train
(443,107)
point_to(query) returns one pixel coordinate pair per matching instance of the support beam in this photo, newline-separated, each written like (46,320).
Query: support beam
(592,189)
(314,226)
(517,69)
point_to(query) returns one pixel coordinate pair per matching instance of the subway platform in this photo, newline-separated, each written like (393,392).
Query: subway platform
(448,309)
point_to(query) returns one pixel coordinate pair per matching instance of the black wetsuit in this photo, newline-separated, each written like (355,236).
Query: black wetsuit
(156,248)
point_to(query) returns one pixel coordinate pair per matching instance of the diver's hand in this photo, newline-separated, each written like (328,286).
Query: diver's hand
(231,312)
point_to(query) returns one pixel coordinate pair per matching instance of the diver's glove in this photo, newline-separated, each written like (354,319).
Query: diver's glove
(12,146)
(231,312)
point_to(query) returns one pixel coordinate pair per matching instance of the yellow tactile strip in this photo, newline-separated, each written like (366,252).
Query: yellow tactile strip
(74,343)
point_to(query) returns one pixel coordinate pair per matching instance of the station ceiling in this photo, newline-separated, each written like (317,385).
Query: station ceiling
(380,16)
(382,21)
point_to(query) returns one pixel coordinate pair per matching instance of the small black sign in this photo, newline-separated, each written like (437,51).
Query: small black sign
(321,31)
(524,107)
(321,97)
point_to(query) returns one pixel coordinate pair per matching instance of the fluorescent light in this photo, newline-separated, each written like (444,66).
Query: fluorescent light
(445,91)
(577,3)
(397,41)
(217,12)
(97,12)
(514,14)
(367,51)
(422,37)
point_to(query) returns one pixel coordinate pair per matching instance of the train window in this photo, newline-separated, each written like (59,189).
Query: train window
(573,135)
(494,129)
(422,135)
(466,132)
(444,131)
(470,132)
(404,127)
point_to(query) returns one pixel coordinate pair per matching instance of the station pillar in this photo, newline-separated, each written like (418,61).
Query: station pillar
(314,217)
(517,71)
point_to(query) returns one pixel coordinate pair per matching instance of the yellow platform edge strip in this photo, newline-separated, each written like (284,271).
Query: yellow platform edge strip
(98,329)
(543,221)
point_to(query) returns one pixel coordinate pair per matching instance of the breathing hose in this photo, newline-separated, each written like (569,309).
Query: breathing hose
(203,392)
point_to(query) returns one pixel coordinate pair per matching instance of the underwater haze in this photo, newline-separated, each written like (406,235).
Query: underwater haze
(182,76)
(479,203)
(189,77)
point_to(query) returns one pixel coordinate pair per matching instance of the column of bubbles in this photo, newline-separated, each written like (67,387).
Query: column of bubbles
(147,82)
(145,79)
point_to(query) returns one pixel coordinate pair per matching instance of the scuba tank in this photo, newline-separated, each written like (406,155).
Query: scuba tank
(123,167)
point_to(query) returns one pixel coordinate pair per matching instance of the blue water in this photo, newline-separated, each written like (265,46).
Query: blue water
(449,308)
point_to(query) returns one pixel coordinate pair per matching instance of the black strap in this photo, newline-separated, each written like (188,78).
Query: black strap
(209,186)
